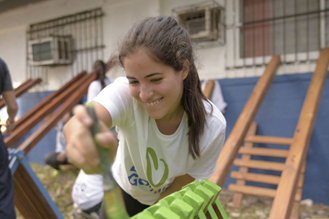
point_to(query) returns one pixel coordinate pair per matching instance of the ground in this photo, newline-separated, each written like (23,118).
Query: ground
(59,185)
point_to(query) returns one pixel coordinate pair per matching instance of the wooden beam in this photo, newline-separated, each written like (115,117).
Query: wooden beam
(287,187)
(66,106)
(47,100)
(26,87)
(209,87)
(241,127)
(43,112)
(268,140)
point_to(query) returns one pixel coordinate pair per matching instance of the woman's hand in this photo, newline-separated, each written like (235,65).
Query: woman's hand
(80,146)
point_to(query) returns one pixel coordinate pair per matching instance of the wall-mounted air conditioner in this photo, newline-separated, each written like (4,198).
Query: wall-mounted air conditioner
(54,50)
(205,22)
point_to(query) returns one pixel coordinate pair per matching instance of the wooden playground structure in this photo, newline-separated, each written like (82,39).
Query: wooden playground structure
(290,184)
(33,201)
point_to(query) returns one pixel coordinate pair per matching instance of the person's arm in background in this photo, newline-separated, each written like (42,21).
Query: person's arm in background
(8,95)
(12,108)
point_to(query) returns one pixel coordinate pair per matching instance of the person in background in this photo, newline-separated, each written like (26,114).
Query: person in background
(101,80)
(87,192)
(7,209)
(58,158)
(169,133)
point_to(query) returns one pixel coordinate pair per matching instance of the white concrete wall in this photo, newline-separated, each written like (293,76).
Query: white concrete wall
(119,17)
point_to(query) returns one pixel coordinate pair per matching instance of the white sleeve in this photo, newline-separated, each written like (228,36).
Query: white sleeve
(211,145)
(117,100)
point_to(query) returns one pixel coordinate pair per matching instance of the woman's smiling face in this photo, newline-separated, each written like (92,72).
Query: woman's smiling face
(156,86)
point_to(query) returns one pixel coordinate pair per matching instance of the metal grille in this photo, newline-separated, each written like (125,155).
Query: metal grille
(293,29)
(86,30)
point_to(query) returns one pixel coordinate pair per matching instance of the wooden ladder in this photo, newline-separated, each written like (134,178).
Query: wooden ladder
(246,162)
(290,184)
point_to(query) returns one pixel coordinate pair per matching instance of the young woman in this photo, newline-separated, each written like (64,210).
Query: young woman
(169,133)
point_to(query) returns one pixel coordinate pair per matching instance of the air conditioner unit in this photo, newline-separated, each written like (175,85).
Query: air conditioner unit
(204,21)
(54,50)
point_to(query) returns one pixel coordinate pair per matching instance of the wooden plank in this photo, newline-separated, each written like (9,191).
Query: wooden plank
(65,107)
(255,190)
(252,190)
(256,177)
(237,197)
(267,152)
(268,140)
(299,194)
(48,99)
(287,187)
(28,86)
(265,165)
(32,204)
(20,131)
(209,87)
(241,127)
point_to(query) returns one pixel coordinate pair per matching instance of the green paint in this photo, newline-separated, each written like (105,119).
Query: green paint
(188,203)
(151,153)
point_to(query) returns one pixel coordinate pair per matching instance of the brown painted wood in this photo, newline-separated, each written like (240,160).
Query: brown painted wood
(268,140)
(237,197)
(47,100)
(241,127)
(23,89)
(287,187)
(66,106)
(27,197)
(43,112)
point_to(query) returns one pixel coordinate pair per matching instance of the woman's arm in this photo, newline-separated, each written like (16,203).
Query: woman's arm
(177,185)
(80,147)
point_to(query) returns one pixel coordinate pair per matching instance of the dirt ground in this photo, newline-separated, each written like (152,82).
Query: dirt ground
(59,185)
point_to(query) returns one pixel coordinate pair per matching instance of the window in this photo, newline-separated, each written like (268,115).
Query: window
(281,27)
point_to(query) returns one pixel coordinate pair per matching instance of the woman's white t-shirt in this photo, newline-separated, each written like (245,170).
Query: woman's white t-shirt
(148,161)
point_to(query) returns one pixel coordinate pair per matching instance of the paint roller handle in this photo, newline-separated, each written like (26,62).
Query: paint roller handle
(105,164)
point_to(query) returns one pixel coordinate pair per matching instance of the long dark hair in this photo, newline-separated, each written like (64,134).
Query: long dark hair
(170,44)
(100,69)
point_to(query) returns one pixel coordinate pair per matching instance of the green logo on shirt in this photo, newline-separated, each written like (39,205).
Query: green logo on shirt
(150,153)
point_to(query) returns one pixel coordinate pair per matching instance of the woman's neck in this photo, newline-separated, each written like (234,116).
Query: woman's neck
(168,126)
